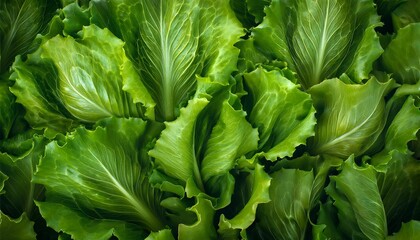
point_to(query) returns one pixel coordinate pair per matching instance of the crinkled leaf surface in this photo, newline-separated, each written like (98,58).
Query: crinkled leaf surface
(100,174)
(321,39)
(399,189)
(77,79)
(186,153)
(283,114)
(350,116)
(404,127)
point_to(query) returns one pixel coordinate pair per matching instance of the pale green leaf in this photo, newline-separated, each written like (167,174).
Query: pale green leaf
(350,116)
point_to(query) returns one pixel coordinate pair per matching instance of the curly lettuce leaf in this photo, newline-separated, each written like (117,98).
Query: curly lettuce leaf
(72,80)
(251,191)
(200,147)
(321,39)
(283,114)
(99,174)
(399,189)
(171,43)
(203,228)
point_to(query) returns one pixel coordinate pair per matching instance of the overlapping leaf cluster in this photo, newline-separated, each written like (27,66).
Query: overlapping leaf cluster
(209,119)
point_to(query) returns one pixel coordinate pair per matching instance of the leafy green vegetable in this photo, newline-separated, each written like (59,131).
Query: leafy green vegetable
(19,229)
(321,39)
(285,217)
(20,22)
(360,209)
(284,129)
(409,230)
(351,117)
(75,80)
(108,174)
(209,119)
(404,47)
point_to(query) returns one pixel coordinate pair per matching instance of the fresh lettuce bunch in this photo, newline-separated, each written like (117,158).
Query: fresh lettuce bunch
(210,119)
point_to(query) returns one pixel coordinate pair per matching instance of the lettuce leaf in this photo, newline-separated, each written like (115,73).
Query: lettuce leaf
(75,80)
(321,39)
(108,179)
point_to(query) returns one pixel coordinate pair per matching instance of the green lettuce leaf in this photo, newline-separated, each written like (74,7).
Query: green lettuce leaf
(326,226)
(249,12)
(401,55)
(8,109)
(409,230)
(283,114)
(18,229)
(79,226)
(251,190)
(202,145)
(286,215)
(398,169)
(69,80)
(406,13)
(164,234)
(171,43)
(21,21)
(19,190)
(203,228)
(321,39)
(356,196)
(350,116)
(403,128)
(99,174)
(399,189)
